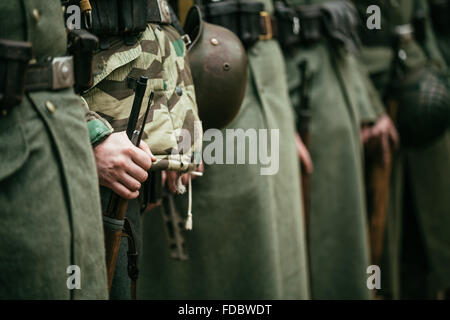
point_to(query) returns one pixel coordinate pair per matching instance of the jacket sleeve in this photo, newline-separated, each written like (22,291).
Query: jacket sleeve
(99,128)
(370,104)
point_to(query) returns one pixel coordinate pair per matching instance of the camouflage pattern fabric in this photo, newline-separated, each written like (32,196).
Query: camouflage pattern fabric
(173,130)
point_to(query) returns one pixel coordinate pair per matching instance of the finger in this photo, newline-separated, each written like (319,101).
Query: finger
(394,138)
(151,206)
(144,146)
(201,169)
(129,182)
(136,172)
(376,130)
(141,158)
(123,192)
(365,134)
(163,178)
(185,179)
(172,177)
(306,160)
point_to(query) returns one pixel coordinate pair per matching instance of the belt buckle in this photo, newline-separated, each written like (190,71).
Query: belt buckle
(62,73)
(268,26)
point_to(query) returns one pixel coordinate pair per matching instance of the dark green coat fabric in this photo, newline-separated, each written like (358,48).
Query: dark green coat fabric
(418,241)
(49,198)
(442,39)
(338,246)
(247,240)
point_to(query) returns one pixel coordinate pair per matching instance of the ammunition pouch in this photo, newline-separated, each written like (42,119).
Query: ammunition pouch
(440,12)
(133,16)
(311,27)
(224,14)
(247,20)
(14,59)
(341,21)
(105,20)
(250,22)
(335,21)
(82,45)
(288,23)
(124,18)
(112,18)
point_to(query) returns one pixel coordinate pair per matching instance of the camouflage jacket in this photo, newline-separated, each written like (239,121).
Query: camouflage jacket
(173,130)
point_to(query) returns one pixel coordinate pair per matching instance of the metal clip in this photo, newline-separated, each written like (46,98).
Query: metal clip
(268,26)
(186,39)
(86,8)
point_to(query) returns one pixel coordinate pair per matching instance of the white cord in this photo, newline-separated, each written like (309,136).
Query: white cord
(188,225)
(179,187)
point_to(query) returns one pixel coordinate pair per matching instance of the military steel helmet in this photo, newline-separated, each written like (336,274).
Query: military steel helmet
(219,64)
(424,108)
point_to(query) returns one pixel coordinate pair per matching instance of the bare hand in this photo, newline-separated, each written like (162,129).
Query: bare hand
(382,134)
(172,178)
(121,166)
(303,154)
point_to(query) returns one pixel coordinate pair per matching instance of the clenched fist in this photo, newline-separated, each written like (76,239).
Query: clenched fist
(121,166)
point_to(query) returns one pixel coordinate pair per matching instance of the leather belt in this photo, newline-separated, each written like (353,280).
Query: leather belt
(54,75)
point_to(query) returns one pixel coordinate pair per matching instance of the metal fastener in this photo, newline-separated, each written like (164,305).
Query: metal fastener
(214,42)
(50,106)
(36,14)
(402,55)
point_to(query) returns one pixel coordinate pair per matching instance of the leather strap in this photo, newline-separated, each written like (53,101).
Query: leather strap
(158,12)
(133,271)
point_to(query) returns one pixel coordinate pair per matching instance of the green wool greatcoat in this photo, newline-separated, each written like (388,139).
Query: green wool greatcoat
(337,223)
(418,242)
(247,240)
(49,198)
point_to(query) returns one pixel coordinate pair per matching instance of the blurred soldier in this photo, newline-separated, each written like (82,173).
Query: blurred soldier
(247,240)
(140,42)
(321,66)
(50,205)
(440,11)
(403,58)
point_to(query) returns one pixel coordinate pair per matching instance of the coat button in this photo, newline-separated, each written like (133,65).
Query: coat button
(179,91)
(36,15)
(50,106)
